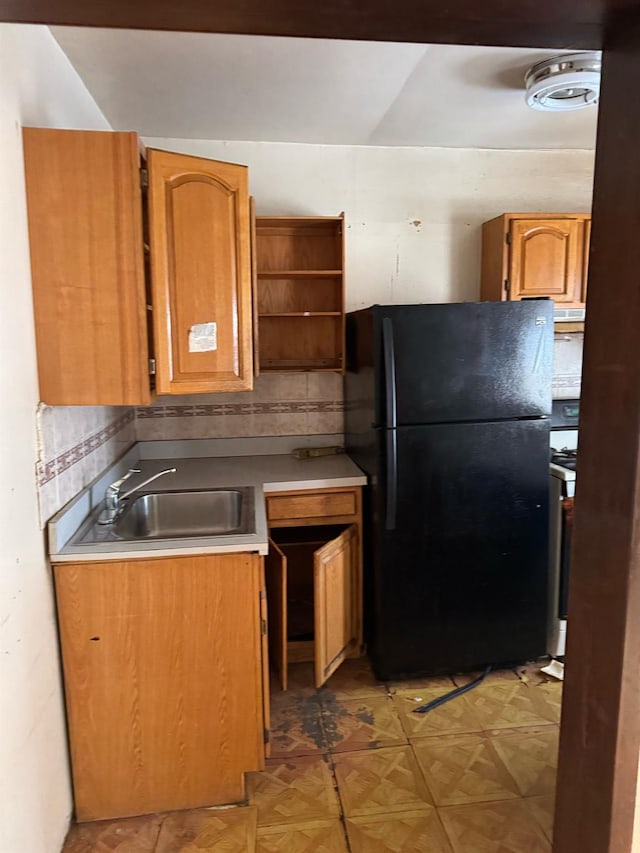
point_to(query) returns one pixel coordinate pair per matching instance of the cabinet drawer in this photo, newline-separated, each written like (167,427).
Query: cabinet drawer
(312,505)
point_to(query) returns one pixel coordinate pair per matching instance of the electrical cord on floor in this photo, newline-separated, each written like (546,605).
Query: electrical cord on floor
(452,694)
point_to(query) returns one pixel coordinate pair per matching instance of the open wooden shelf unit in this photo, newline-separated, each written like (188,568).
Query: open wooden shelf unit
(300,292)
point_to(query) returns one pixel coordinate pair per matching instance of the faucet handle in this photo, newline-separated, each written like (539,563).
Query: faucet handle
(117,483)
(112,497)
(113,489)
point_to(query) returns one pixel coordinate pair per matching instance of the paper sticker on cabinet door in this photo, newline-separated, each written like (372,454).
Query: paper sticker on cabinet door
(203,337)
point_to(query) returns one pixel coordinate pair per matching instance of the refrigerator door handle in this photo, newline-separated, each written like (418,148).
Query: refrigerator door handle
(392,478)
(391,422)
(389,373)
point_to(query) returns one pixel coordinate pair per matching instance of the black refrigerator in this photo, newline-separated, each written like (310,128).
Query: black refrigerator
(447,411)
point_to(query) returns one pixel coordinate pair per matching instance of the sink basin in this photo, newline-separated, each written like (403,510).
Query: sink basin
(174,515)
(187,514)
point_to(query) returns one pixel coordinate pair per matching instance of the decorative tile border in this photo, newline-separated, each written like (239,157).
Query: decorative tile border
(221,409)
(52,468)
(47,471)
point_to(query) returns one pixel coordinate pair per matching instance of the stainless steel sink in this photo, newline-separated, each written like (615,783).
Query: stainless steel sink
(179,515)
(172,515)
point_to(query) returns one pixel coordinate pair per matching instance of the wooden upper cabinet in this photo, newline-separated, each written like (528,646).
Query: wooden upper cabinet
(300,292)
(525,256)
(199,232)
(85,230)
(546,259)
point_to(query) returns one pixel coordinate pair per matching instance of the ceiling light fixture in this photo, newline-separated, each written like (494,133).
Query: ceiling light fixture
(567,82)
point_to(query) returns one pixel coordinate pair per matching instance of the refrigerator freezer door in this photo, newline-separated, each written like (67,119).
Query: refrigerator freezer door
(469,361)
(460,580)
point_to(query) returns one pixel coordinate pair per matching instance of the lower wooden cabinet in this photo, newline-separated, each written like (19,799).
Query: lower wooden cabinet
(163,678)
(314,579)
(166,666)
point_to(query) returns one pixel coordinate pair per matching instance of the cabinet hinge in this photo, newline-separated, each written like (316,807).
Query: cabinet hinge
(152,367)
(144,178)
(507,286)
(263,626)
(508,238)
(265,735)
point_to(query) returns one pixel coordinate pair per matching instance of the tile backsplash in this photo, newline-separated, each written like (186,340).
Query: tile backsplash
(567,365)
(280,404)
(77,442)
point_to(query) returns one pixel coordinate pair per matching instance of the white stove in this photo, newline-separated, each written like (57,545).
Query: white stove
(562,469)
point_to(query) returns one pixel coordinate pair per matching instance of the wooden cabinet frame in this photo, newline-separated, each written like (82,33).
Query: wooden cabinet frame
(299,282)
(337,579)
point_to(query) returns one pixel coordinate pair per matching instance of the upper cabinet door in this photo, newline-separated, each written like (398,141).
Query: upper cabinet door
(546,259)
(201,274)
(87,266)
(335,602)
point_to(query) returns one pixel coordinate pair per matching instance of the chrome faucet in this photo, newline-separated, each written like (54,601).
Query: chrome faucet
(113,498)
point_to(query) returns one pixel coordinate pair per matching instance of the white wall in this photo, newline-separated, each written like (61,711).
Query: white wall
(37,86)
(413,214)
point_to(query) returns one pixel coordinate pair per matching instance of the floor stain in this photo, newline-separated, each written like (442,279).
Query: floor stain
(365,717)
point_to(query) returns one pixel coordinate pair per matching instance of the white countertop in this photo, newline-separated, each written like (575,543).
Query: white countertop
(265,473)
(562,473)
(272,473)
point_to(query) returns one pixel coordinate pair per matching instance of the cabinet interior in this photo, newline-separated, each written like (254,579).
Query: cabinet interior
(300,294)
(299,545)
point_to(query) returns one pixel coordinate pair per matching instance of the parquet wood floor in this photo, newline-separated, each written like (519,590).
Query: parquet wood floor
(354,770)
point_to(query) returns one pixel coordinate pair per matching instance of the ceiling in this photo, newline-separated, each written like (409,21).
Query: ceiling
(264,88)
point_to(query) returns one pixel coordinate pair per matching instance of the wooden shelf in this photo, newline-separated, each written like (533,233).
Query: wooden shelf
(274,365)
(300,314)
(299,273)
(300,262)
(297,221)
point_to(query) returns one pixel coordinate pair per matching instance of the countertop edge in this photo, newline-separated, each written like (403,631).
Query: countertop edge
(113,551)
(146,553)
(308,485)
